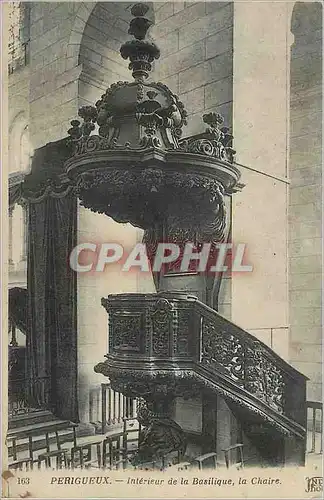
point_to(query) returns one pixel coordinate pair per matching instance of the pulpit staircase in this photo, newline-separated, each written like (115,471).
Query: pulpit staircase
(171,343)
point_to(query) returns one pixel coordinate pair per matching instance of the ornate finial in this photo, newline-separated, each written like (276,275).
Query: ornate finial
(139,9)
(141,53)
(214,120)
(138,27)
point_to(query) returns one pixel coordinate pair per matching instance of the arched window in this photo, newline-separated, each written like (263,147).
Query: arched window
(25,150)
(19,24)
(20,151)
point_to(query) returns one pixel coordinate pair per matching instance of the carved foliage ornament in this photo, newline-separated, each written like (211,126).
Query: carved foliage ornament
(246,363)
(154,180)
(154,385)
(150,113)
(181,337)
(125,332)
(153,106)
(264,378)
(215,142)
(160,434)
(161,318)
(126,196)
(225,349)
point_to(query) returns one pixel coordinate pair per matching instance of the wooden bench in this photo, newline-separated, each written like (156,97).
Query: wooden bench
(59,454)
(202,459)
(131,435)
(23,464)
(17,437)
(113,450)
(238,463)
(82,453)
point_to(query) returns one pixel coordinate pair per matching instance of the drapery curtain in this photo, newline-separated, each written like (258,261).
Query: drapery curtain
(51,284)
(18,308)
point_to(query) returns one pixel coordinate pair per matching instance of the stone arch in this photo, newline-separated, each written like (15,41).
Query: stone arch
(18,105)
(82,15)
(19,160)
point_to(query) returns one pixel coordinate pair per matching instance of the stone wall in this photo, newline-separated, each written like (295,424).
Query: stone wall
(54,71)
(92,286)
(196,42)
(305,203)
(260,121)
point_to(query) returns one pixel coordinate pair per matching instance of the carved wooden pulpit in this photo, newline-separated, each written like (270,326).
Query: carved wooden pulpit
(131,163)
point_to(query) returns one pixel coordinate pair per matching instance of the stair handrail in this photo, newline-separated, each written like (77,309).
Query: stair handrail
(258,368)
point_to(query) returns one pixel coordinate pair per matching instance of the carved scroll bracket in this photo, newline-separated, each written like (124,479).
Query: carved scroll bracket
(161,435)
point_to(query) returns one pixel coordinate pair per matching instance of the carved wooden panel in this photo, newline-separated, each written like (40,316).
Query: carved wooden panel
(161,319)
(220,347)
(263,378)
(125,332)
(184,319)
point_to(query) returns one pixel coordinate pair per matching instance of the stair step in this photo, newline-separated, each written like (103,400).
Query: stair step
(31,418)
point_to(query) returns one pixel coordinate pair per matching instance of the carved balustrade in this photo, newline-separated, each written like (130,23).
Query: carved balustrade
(251,365)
